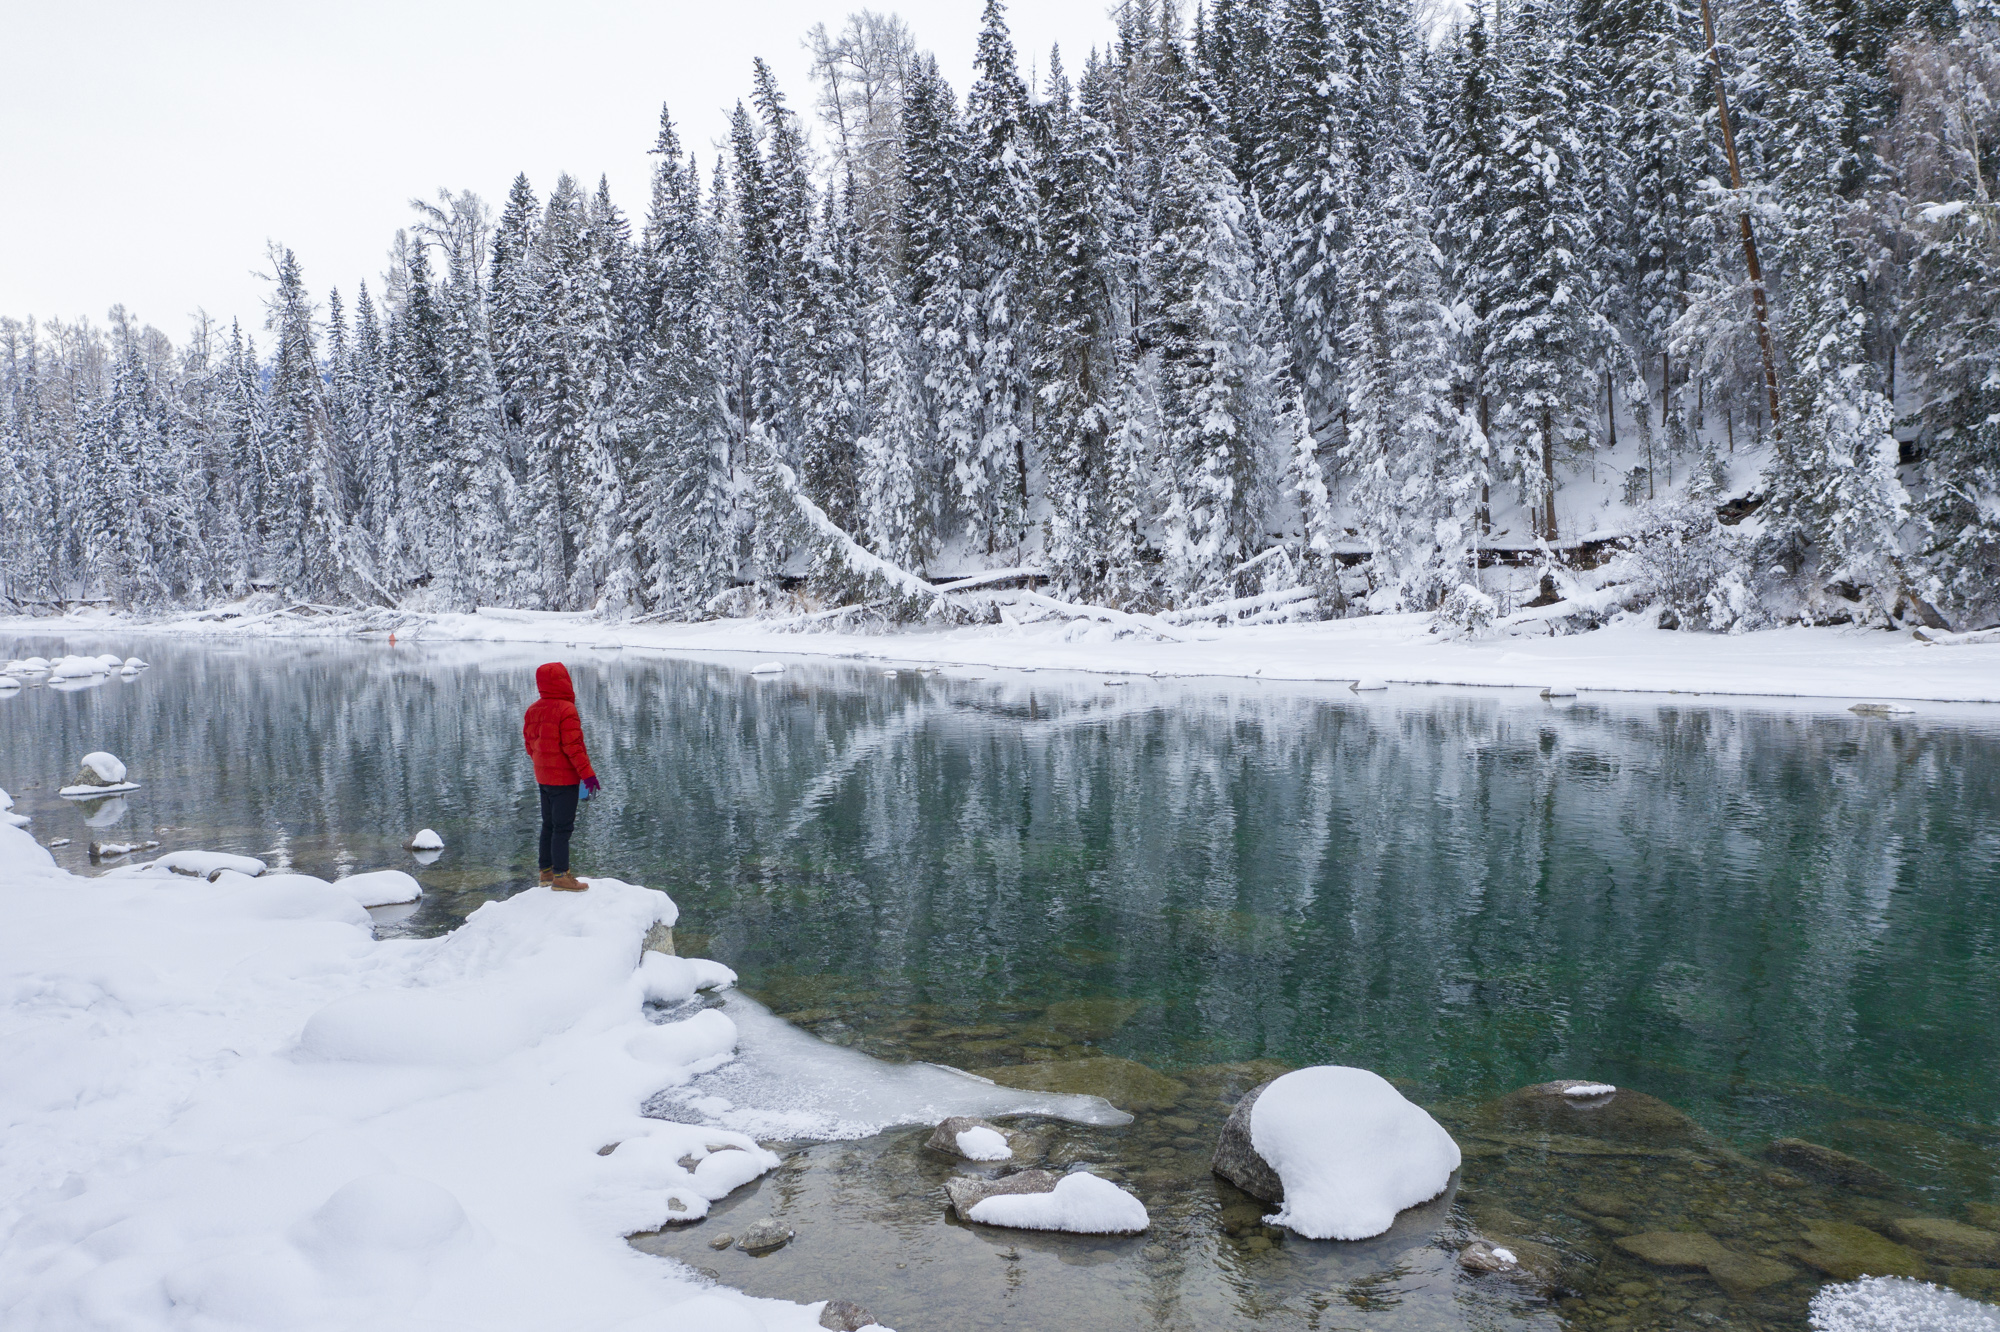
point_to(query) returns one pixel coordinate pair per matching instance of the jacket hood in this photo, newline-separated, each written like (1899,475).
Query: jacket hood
(552,678)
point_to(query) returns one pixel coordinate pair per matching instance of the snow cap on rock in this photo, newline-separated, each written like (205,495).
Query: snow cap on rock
(1351,1151)
(1081,1203)
(425,839)
(108,769)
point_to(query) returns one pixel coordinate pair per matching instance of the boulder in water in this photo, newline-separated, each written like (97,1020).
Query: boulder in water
(1349,1152)
(1237,1161)
(425,839)
(971,1139)
(845,1316)
(765,1236)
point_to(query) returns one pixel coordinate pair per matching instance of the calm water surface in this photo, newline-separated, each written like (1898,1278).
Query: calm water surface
(1783,920)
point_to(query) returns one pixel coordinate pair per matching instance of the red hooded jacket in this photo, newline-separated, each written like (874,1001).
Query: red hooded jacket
(553,732)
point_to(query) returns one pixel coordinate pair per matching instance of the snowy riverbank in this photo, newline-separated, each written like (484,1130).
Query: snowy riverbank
(1834,663)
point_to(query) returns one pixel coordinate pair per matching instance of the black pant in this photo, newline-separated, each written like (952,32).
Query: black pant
(558,822)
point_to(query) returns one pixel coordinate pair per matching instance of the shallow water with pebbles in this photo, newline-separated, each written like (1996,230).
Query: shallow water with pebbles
(1622,1212)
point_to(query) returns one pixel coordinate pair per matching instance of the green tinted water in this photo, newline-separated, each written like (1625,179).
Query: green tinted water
(1784,920)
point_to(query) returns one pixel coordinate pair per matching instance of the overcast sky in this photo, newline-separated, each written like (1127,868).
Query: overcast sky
(150,148)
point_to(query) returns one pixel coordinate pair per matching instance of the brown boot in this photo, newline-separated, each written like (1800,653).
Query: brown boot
(548,876)
(567,883)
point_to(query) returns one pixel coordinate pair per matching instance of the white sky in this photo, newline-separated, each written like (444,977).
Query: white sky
(149,148)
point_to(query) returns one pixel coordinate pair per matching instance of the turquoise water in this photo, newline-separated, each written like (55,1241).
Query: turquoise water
(1783,919)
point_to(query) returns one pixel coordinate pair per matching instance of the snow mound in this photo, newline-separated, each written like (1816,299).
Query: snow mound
(207,864)
(980,1143)
(1351,1151)
(424,839)
(8,818)
(1898,1304)
(712,1313)
(1081,1203)
(1368,682)
(176,1153)
(768,668)
(135,664)
(26,666)
(1582,1090)
(381,888)
(78,668)
(674,980)
(7,681)
(107,766)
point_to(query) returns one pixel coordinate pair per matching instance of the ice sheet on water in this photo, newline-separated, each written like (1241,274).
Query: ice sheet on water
(786,1083)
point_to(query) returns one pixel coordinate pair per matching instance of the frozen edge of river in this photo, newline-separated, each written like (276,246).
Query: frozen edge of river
(1825,663)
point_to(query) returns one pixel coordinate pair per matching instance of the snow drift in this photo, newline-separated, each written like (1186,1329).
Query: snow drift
(230,1106)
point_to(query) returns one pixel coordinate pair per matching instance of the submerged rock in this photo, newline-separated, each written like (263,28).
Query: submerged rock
(1981,1283)
(1826,1165)
(1483,1257)
(845,1316)
(765,1236)
(1739,1274)
(1948,1239)
(1845,1251)
(1092,1018)
(1674,1248)
(1620,1115)
(1124,1083)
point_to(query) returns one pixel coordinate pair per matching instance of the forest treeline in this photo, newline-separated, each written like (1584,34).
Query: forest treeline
(1283,293)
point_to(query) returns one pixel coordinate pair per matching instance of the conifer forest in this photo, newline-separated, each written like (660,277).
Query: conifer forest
(1305,308)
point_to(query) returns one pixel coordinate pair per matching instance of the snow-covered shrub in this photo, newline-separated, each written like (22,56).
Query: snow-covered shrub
(1465,612)
(1689,565)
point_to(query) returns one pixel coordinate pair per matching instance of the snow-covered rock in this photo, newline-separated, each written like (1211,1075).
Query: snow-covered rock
(7,814)
(8,682)
(1368,683)
(208,864)
(980,1143)
(135,664)
(76,668)
(101,774)
(381,888)
(768,668)
(26,666)
(1898,1304)
(1588,1090)
(1339,1148)
(1079,1202)
(102,769)
(425,839)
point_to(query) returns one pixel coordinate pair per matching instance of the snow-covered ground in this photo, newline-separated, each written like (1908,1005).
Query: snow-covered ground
(227,1105)
(1838,663)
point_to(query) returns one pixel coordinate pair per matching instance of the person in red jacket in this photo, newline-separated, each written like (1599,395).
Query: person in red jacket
(554,735)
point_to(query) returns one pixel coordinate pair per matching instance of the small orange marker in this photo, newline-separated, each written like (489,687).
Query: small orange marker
(392,640)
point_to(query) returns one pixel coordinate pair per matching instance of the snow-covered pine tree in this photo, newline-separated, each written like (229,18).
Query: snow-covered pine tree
(1073,372)
(1836,504)
(991,469)
(1941,144)
(1548,335)
(682,496)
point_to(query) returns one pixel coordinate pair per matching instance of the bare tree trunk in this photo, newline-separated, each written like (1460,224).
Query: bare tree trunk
(1755,269)
(1548,476)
